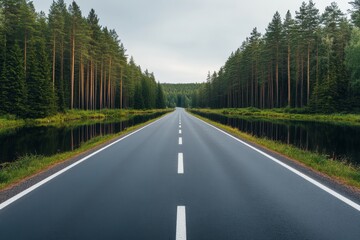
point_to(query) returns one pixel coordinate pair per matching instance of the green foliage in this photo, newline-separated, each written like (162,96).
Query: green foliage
(138,98)
(352,64)
(300,114)
(297,63)
(64,61)
(160,98)
(41,97)
(180,95)
(355,12)
(14,83)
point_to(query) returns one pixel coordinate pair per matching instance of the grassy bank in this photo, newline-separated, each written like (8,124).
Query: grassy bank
(9,121)
(26,166)
(340,171)
(286,114)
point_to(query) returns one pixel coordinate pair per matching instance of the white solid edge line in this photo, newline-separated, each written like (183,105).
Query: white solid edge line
(35,186)
(307,178)
(180,163)
(180,140)
(181,223)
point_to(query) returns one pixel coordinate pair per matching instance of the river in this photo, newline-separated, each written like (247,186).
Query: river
(49,140)
(339,142)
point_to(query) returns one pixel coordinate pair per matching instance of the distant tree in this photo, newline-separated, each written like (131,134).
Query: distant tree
(160,99)
(355,12)
(138,98)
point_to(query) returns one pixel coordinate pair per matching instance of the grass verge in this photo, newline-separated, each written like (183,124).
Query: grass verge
(30,165)
(10,121)
(6,124)
(285,114)
(339,171)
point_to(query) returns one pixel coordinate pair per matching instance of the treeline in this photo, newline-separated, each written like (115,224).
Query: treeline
(63,60)
(180,94)
(310,60)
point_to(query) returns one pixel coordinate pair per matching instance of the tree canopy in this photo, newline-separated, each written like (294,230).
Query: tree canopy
(310,60)
(64,60)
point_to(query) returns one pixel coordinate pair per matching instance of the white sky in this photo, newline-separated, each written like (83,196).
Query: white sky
(181,40)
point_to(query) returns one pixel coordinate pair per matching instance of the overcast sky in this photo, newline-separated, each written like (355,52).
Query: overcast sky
(181,40)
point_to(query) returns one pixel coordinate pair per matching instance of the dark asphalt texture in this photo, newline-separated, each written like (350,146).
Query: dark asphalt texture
(131,190)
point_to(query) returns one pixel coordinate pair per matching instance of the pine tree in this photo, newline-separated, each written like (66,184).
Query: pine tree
(355,12)
(76,19)
(138,98)
(289,25)
(274,36)
(352,64)
(4,91)
(94,54)
(308,20)
(27,17)
(15,78)
(57,28)
(330,93)
(41,97)
(160,99)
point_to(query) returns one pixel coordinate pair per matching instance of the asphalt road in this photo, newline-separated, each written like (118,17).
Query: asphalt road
(179,178)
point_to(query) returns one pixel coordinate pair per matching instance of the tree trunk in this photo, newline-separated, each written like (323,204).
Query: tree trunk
(95,85)
(109,85)
(62,66)
(121,87)
(54,63)
(101,84)
(72,70)
(289,75)
(308,76)
(25,52)
(302,83)
(82,80)
(88,86)
(277,77)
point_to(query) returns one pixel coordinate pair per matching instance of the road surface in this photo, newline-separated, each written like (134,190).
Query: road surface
(179,178)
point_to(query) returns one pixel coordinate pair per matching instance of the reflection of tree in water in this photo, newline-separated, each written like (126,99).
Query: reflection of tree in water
(337,141)
(52,140)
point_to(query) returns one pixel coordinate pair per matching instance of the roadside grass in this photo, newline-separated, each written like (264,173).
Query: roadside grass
(10,121)
(73,115)
(286,114)
(341,171)
(29,165)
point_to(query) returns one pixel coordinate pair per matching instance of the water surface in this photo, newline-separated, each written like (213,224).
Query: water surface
(340,142)
(51,140)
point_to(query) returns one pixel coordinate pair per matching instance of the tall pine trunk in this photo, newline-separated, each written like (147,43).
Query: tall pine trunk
(289,75)
(25,53)
(121,87)
(101,84)
(72,69)
(308,76)
(54,63)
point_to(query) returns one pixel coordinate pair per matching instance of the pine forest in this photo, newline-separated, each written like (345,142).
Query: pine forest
(306,61)
(62,60)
